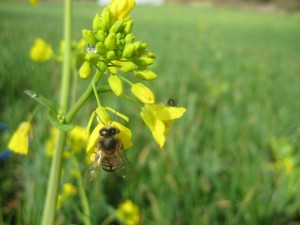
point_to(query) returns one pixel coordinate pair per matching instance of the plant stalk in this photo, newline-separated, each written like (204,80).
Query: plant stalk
(49,212)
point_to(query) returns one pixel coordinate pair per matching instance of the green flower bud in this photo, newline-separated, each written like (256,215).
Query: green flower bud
(92,57)
(97,22)
(127,67)
(115,84)
(145,74)
(137,45)
(143,46)
(85,70)
(116,27)
(101,49)
(151,55)
(129,38)
(111,41)
(128,51)
(106,19)
(89,36)
(101,35)
(144,61)
(111,55)
(101,66)
(128,26)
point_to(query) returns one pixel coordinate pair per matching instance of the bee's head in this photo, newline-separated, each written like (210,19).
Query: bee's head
(109,131)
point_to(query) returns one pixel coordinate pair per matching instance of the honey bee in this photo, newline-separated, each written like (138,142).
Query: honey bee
(110,156)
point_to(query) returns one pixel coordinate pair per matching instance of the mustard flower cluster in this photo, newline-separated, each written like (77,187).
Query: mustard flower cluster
(112,50)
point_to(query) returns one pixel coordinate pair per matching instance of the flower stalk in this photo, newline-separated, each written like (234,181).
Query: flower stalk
(55,171)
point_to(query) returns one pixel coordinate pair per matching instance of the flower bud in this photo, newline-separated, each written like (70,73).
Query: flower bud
(85,70)
(101,35)
(128,51)
(111,41)
(144,61)
(89,36)
(128,67)
(128,26)
(129,38)
(92,57)
(111,55)
(137,45)
(151,55)
(115,84)
(145,74)
(143,93)
(106,19)
(101,49)
(101,66)
(97,22)
(116,27)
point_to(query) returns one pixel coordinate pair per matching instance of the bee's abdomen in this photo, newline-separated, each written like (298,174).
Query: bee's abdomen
(110,164)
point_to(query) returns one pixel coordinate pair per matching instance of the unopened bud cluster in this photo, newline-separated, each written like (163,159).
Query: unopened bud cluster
(111,43)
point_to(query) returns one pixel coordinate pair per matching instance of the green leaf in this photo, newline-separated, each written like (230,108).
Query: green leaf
(43,101)
(56,123)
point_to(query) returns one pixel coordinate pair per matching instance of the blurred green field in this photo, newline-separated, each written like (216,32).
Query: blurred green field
(232,159)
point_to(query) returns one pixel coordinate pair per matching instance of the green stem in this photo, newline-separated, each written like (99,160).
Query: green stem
(84,97)
(96,94)
(55,171)
(82,194)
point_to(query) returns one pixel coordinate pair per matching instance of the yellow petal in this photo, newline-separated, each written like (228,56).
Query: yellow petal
(19,140)
(121,8)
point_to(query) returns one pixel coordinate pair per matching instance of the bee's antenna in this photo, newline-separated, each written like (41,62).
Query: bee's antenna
(113,119)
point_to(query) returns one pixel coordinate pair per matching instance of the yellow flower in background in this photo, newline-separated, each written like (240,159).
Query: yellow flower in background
(121,8)
(19,141)
(159,118)
(41,51)
(77,138)
(34,2)
(143,93)
(129,213)
(69,189)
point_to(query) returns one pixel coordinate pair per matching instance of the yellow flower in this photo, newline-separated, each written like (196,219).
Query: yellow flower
(143,93)
(19,141)
(34,2)
(69,189)
(77,138)
(121,8)
(124,135)
(159,118)
(41,51)
(129,213)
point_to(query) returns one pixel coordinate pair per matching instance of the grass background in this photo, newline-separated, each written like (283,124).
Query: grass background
(238,74)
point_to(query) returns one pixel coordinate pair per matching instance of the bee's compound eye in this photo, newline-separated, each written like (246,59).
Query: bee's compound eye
(103,132)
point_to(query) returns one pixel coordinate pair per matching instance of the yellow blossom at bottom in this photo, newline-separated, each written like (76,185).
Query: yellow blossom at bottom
(129,213)
(159,118)
(20,139)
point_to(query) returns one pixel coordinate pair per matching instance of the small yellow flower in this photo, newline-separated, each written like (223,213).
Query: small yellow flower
(129,213)
(77,138)
(121,8)
(69,189)
(41,51)
(159,118)
(143,93)
(20,139)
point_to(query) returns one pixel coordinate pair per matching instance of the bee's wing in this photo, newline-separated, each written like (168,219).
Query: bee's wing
(93,172)
(126,170)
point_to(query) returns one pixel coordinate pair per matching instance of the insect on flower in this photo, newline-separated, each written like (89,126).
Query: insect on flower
(109,156)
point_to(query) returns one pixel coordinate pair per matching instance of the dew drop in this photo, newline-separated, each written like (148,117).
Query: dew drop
(90,48)
(31,93)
